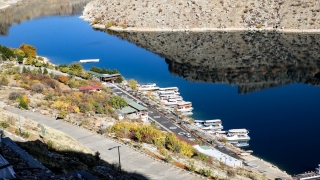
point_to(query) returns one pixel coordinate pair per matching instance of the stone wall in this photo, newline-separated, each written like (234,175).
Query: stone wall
(180,14)
(252,61)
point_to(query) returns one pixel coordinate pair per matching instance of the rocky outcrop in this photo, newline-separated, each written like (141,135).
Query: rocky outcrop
(184,15)
(29,9)
(253,61)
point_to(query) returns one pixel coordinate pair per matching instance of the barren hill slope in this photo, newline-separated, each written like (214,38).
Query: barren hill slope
(180,14)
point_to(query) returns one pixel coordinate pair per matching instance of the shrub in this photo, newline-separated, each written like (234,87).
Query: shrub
(4,81)
(52,83)
(231,172)
(168,158)
(14,95)
(109,24)
(205,172)
(38,87)
(4,124)
(25,134)
(191,167)
(50,144)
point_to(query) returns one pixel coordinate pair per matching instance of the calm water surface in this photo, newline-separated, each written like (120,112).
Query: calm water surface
(283,121)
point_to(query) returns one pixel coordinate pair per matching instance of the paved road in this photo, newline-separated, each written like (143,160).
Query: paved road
(131,160)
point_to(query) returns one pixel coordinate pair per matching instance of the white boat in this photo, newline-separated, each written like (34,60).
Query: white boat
(209,125)
(237,135)
(148,87)
(89,60)
(184,106)
(166,93)
(171,101)
(241,144)
(169,89)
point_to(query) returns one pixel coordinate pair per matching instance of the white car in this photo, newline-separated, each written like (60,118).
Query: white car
(181,133)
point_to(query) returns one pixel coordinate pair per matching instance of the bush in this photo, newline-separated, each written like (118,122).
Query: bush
(191,167)
(109,24)
(4,124)
(50,144)
(205,172)
(231,172)
(25,134)
(14,95)
(38,87)
(4,81)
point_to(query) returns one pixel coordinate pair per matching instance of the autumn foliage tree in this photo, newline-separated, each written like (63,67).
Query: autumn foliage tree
(29,50)
(63,78)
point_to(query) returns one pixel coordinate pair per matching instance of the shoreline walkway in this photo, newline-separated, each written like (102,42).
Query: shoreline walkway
(131,160)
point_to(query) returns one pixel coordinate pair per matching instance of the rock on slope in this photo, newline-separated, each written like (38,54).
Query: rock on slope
(180,14)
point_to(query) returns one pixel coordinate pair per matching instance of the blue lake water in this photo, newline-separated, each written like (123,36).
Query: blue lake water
(283,121)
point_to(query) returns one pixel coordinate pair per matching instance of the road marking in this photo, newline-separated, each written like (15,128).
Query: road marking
(150,112)
(172,127)
(156,117)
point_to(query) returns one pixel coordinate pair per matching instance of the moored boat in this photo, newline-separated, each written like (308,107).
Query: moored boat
(237,135)
(184,106)
(148,87)
(209,125)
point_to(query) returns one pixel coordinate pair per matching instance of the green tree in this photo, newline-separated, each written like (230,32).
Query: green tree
(45,71)
(117,102)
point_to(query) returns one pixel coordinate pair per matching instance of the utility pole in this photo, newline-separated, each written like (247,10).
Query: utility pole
(20,130)
(118,155)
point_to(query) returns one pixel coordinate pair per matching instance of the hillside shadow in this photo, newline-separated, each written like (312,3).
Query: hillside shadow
(67,162)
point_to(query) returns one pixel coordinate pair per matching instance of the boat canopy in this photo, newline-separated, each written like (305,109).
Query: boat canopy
(184,103)
(238,130)
(169,89)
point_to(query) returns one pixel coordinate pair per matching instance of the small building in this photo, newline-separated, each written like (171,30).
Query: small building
(105,77)
(134,110)
(90,89)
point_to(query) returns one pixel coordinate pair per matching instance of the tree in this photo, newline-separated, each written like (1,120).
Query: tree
(24,69)
(133,84)
(45,71)
(4,81)
(63,78)
(117,102)
(29,50)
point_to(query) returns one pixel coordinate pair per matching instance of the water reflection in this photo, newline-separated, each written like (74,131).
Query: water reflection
(251,60)
(38,8)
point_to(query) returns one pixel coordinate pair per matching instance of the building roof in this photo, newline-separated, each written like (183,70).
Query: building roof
(88,88)
(134,104)
(127,110)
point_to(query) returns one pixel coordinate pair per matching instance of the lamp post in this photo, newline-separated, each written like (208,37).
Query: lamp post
(225,161)
(20,130)
(118,154)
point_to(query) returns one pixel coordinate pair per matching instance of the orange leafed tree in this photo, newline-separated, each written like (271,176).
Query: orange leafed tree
(63,78)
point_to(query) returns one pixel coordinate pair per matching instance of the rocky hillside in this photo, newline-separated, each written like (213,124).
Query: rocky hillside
(29,9)
(180,14)
(253,61)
